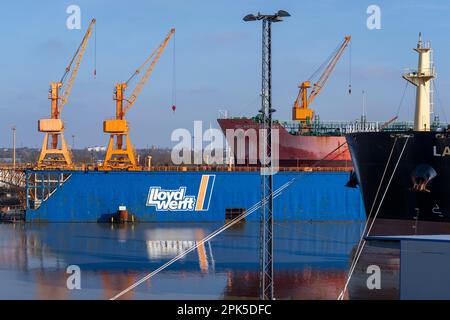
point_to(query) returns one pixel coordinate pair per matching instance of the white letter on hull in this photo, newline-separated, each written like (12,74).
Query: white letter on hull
(446,151)
(435,152)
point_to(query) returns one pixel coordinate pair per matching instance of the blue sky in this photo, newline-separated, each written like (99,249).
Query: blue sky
(217,61)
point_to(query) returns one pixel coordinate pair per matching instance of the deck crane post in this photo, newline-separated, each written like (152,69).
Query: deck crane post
(301,110)
(120,155)
(59,156)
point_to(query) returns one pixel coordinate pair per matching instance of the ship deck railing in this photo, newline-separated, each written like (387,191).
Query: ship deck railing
(247,168)
(195,168)
(341,128)
(318,127)
(89,168)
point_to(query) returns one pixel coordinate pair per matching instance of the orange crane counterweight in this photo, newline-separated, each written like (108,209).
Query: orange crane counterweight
(120,156)
(301,110)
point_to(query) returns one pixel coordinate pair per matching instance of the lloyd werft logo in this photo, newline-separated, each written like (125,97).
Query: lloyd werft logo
(177,200)
(170,200)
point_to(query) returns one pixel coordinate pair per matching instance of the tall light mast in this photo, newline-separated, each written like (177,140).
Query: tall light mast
(266,217)
(421,79)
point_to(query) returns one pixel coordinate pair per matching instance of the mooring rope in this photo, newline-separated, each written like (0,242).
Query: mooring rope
(362,240)
(373,203)
(252,209)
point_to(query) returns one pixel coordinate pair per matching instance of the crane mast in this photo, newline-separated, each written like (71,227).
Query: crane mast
(59,156)
(120,156)
(301,110)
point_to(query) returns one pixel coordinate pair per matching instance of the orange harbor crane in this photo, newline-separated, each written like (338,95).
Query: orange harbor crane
(58,156)
(120,155)
(301,110)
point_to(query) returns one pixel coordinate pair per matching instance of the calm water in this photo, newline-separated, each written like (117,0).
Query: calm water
(311,260)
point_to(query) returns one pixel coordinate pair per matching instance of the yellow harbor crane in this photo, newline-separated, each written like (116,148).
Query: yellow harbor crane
(55,155)
(120,155)
(301,110)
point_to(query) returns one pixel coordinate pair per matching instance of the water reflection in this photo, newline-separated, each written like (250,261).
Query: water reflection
(311,260)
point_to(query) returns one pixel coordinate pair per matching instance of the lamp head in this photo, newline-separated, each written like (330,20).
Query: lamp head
(249,17)
(283,13)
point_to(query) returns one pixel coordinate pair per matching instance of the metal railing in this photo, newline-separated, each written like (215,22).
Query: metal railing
(318,127)
(42,185)
(424,72)
(245,168)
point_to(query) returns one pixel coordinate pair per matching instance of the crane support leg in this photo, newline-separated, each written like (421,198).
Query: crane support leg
(119,157)
(55,157)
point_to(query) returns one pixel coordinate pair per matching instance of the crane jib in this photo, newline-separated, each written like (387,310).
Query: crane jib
(77,58)
(156,54)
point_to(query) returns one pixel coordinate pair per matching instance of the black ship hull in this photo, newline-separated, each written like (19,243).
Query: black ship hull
(404,178)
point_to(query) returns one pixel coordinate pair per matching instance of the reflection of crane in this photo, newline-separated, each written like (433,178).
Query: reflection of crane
(301,110)
(118,155)
(56,156)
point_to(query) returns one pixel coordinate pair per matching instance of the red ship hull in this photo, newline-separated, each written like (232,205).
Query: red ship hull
(298,150)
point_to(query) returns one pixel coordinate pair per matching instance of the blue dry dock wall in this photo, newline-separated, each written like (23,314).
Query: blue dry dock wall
(196,196)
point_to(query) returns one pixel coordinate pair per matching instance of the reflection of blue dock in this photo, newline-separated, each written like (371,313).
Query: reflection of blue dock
(96,247)
(311,258)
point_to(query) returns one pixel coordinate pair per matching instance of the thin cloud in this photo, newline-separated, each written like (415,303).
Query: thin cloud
(224,38)
(377,71)
(51,45)
(424,6)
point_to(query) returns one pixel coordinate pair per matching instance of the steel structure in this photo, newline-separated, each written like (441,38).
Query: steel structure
(266,213)
(12,176)
(120,155)
(301,110)
(421,78)
(57,156)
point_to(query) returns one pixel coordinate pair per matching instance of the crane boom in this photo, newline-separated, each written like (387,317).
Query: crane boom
(78,56)
(329,69)
(301,110)
(156,54)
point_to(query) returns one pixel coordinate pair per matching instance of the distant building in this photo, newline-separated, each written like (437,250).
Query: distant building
(9,160)
(96,149)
